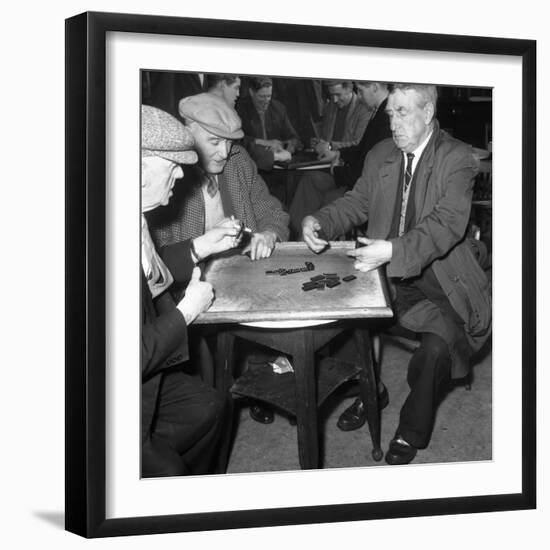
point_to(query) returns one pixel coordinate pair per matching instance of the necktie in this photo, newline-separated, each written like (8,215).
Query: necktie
(408,171)
(261,114)
(406,187)
(211,185)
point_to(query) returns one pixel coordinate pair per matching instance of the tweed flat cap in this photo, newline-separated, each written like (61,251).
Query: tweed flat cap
(213,114)
(164,136)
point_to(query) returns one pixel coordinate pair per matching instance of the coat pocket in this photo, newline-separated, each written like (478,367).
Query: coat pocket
(468,290)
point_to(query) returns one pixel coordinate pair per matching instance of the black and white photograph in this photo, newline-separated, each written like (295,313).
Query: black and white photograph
(274,275)
(301,264)
(317,273)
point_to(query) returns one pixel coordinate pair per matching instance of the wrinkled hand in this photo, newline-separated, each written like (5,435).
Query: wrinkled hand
(322,147)
(275,144)
(261,245)
(219,238)
(282,156)
(310,234)
(198,297)
(330,156)
(372,256)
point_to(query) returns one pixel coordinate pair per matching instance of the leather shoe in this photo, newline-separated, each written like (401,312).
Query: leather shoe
(261,413)
(400,452)
(355,415)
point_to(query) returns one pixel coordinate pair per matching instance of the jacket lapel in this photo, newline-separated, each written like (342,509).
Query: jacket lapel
(421,184)
(423,176)
(228,189)
(389,177)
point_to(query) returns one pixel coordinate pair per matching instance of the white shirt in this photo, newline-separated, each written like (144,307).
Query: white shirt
(213,208)
(417,154)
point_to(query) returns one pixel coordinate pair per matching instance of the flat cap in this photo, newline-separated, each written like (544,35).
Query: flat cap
(213,114)
(164,136)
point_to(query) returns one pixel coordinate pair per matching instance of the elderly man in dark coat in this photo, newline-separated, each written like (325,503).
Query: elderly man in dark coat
(415,192)
(181,418)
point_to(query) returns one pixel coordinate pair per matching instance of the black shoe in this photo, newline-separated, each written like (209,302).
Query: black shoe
(261,413)
(400,452)
(355,415)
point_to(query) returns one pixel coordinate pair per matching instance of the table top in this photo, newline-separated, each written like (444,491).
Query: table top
(245,293)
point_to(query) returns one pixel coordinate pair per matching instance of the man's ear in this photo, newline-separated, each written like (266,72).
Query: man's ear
(144,178)
(191,125)
(429,112)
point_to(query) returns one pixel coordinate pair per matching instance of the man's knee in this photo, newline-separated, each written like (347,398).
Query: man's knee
(159,459)
(435,346)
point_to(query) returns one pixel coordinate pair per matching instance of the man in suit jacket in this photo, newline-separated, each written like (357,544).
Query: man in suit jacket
(180,417)
(317,188)
(415,192)
(344,119)
(268,133)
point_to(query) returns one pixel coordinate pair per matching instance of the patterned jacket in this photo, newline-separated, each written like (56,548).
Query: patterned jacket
(244,195)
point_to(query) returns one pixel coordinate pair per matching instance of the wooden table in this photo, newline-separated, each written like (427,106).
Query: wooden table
(273,310)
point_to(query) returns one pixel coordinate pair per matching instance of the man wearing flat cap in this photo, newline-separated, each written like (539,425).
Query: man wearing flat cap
(181,418)
(226,186)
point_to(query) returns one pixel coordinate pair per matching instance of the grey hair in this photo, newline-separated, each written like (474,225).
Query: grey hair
(427,92)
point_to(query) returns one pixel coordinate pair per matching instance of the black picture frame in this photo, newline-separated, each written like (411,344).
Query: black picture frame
(85,273)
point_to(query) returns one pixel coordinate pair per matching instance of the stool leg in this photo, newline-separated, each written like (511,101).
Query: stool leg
(369,390)
(306,399)
(223,380)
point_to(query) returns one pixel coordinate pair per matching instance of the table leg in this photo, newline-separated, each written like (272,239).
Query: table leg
(223,381)
(369,389)
(306,399)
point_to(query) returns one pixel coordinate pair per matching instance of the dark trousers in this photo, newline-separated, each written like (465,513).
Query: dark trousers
(281,184)
(428,377)
(315,189)
(186,429)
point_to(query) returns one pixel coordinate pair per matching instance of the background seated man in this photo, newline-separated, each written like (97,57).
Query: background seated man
(317,188)
(225,184)
(225,86)
(269,134)
(416,191)
(344,119)
(181,418)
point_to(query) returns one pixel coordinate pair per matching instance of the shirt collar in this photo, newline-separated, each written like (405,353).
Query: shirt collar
(418,151)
